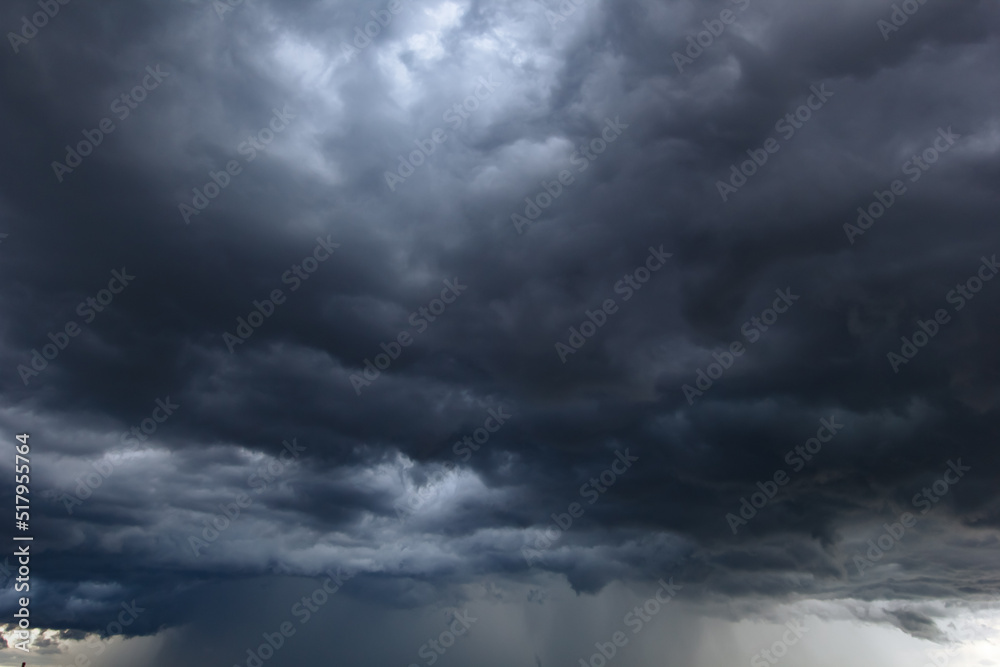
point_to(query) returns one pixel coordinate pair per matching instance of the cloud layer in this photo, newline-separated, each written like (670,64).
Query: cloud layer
(416,292)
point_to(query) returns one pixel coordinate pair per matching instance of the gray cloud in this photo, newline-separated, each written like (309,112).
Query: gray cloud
(350,118)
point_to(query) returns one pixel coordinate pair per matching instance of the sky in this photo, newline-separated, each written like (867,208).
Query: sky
(522,333)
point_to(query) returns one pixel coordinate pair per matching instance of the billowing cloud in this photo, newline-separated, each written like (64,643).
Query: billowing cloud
(518,307)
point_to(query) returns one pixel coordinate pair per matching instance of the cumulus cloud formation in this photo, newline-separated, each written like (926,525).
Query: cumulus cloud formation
(506,309)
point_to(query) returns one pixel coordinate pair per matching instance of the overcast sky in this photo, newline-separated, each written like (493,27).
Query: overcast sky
(476,332)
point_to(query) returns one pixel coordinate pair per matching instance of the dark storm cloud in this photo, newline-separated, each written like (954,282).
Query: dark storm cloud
(917,624)
(346,120)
